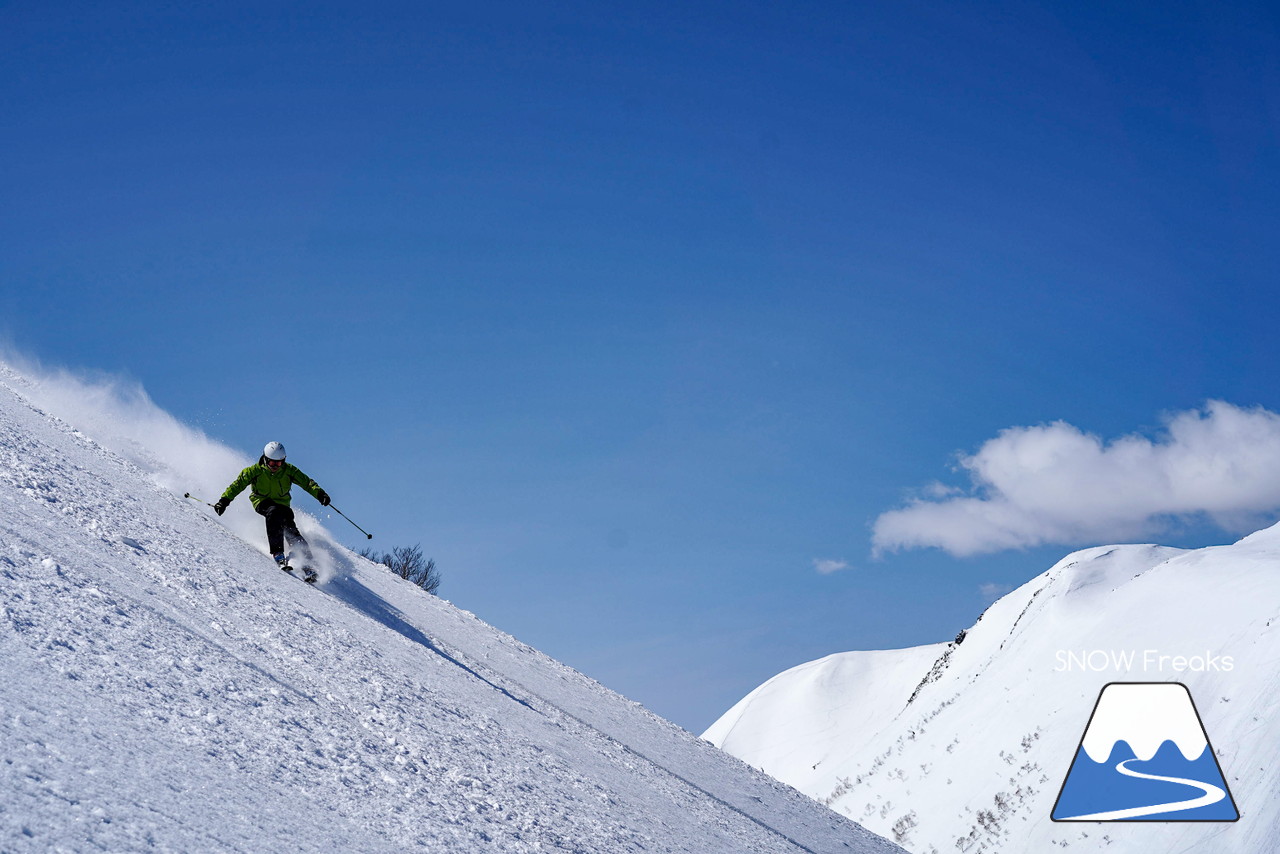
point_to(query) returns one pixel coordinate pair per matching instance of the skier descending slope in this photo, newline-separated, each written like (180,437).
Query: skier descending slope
(272,478)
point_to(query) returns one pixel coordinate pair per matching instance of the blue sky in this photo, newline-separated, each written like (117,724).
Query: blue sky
(631,314)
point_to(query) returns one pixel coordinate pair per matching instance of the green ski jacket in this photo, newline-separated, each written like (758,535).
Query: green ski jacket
(268,484)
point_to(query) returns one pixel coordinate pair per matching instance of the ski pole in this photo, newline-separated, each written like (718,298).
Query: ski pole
(194,498)
(344,516)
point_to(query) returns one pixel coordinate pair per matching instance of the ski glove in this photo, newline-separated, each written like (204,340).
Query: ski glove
(220,507)
(323,498)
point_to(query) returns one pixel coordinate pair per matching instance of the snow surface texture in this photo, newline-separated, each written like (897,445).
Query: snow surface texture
(965,746)
(166,688)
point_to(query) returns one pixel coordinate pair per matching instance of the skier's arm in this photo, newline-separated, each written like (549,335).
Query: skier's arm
(297,476)
(237,486)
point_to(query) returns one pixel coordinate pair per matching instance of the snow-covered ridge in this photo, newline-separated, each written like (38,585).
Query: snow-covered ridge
(975,758)
(778,721)
(166,688)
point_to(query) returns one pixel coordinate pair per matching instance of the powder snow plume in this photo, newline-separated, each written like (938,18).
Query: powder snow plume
(118,414)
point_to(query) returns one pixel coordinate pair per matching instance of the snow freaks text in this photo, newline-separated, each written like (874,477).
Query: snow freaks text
(1144,661)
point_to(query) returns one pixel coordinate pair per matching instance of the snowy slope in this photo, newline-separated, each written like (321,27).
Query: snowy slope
(166,688)
(973,750)
(802,723)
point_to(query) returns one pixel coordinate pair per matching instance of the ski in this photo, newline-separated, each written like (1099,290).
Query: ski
(308,574)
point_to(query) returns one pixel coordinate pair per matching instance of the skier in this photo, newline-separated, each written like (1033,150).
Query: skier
(272,479)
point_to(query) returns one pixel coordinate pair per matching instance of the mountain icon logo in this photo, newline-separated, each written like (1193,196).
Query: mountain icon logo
(1145,756)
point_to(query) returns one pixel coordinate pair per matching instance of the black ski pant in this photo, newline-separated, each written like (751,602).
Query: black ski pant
(281,527)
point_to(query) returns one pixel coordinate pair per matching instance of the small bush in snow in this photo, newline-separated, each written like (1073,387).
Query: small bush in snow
(409,563)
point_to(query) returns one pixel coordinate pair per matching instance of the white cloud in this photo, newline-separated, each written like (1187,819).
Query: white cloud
(1056,484)
(991,591)
(826,566)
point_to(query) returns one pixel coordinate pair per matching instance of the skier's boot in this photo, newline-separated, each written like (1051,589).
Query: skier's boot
(283,563)
(309,575)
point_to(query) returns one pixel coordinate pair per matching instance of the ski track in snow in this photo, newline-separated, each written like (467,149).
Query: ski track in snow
(168,689)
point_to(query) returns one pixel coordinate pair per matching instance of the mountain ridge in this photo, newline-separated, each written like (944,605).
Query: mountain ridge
(996,716)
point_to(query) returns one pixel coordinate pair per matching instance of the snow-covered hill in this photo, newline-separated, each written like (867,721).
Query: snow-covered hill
(964,746)
(166,688)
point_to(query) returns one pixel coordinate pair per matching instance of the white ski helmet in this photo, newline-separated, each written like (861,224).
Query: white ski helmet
(273,451)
